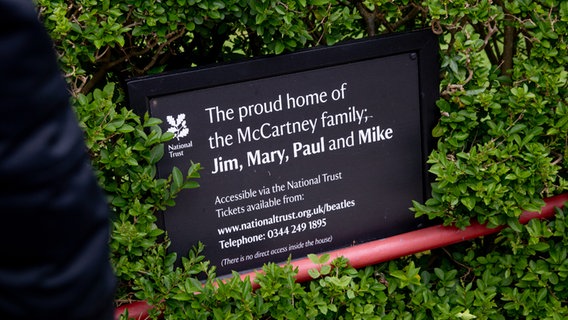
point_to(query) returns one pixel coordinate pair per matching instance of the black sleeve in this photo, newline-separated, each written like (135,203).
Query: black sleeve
(54,226)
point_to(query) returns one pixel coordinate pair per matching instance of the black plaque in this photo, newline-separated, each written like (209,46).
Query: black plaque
(302,153)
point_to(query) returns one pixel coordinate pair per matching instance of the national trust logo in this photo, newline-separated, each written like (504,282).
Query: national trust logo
(178,126)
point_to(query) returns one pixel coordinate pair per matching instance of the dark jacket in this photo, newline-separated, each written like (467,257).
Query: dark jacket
(54,225)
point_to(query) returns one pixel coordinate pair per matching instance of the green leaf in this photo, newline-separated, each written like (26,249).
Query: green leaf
(468,202)
(260,18)
(514,224)
(319,259)
(156,153)
(314,273)
(177,177)
(150,122)
(439,273)
(131,161)
(350,294)
(182,296)
(466,315)
(318,2)
(313,258)
(126,128)
(193,171)
(541,246)
(279,47)
(193,285)
(323,308)
(111,127)
(190,184)
(534,207)
(137,31)
(332,307)
(167,136)
(530,277)
(325,269)
(118,202)
(516,128)
(438,131)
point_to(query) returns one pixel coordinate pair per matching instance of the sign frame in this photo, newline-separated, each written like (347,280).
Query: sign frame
(423,44)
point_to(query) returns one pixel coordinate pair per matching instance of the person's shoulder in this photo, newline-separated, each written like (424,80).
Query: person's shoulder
(16,10)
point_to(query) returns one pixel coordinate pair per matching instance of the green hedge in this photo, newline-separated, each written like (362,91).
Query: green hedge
(502,147)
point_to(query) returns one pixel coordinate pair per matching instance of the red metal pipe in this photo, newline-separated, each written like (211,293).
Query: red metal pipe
(387,249)
(405,244)
(136,310)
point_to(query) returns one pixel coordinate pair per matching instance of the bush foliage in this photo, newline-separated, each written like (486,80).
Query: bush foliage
(502,147)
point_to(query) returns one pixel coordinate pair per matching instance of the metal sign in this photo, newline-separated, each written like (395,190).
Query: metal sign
(302,153)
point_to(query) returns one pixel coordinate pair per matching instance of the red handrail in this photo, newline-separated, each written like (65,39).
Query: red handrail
(374,252)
